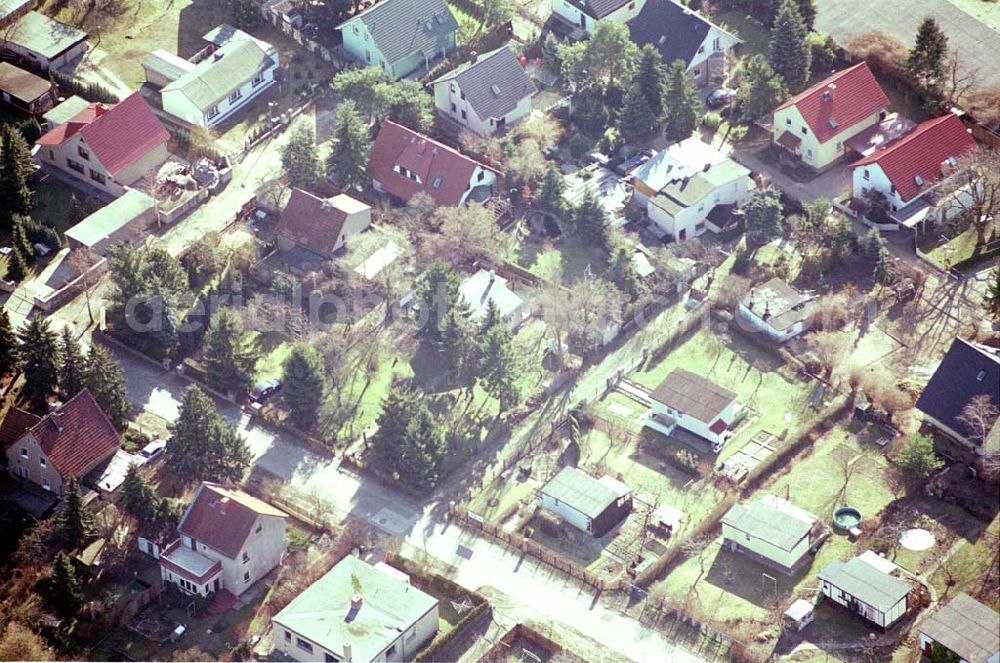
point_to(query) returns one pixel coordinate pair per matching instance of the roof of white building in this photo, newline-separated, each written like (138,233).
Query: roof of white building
(324,614)
(111,218)
(485,286)
(236,61)
(771,519)
(680,160)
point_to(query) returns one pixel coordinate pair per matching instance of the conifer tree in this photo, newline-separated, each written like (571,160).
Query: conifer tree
(791,56)
(927,63)
(15,171)
(304,385)
(138,497)
(636,120)
(72,367)
(39,361)
(105,380)
(67,591)
(651,79)
(351,145)
(10,356)
(682,104)
(76,524)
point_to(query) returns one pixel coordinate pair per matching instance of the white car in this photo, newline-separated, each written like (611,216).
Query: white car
(153,450)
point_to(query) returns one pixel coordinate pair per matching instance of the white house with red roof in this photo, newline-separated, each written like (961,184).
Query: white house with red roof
(912,172)
(228,541)
(67,443)
(322,225)
(816,124)
(405,162)
(108,147)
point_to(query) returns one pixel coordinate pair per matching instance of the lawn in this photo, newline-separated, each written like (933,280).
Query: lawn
(986,11)
(273,349)
(564,260)
(971,565)
(777,397)
(754,34)
(52,203)
(961,247)
(467,25)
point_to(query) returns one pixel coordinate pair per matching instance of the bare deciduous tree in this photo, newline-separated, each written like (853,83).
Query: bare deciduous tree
(979,416)
(976,190)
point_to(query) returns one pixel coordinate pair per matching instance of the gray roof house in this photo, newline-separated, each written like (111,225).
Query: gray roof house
(966,628)
(213,88)
(400,36)
(487,93)
(357,612)
(773,531)
(866,585)
(484,287)
(44,41)
(777,310)
(592,505)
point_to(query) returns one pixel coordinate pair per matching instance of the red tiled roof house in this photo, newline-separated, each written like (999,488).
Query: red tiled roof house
(815,124)
(322,225)
(68,442)
(404,163)
(912,171)
(228,541)
(107,147)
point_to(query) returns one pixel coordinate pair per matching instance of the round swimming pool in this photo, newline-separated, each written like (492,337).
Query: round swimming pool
(846,517)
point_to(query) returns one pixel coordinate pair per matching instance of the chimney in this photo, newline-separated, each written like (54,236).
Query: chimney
(707,167)
(347,651)
(217,56)
(493,276)
(356,601)
(767,311)
(473,56)
(828,92)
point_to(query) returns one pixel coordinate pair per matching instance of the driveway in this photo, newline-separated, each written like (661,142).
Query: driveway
(975,42)
(833,184)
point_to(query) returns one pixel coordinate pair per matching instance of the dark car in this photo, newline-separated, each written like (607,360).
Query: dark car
(720,97)
(633,162)
(265,390)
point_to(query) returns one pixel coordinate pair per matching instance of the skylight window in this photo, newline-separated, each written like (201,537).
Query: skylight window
(919,181)
(981,376)
(833,123)
(662,40)
(496,90)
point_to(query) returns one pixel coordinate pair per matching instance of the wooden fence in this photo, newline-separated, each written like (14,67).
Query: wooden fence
(536,550)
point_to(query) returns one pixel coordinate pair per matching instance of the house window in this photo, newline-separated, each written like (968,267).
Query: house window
(788,121)
(701,49)
(257,80)
(368,55)
(805,132)
(892,189)
(97,177)
(75,165)
(696,73)
(45,484)
(288,634)
(213,111)
(809,153)
(24,452)
(464,115)
(717,44)
(452,86)
(390,652)
(631,5)
(246,576)
(235,96)
(330,658)
(868,175)
(259,528)
(42,463)
(82,151)
(246,557)
(480,176)
(52,155)
(366,36)
(454,108)
(355,29)
(840,146)
(303,645)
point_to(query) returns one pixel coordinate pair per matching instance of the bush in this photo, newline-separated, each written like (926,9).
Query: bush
(580,145)
(712,120)
(93,92)
(134,440)
(742,262)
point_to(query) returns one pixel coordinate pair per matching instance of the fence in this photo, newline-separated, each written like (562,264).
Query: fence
(537,551)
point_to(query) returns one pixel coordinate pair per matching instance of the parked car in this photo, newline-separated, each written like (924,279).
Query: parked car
(633,162)
(265,390)
(720,97)
(153,450)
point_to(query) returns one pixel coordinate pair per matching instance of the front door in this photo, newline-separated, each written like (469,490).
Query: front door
(683,235)
(583,20)
(501,123)
(215,585)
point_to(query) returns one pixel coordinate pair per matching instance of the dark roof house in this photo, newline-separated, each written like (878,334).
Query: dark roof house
(23,90)
(676,31)
(965,627)
(494,84)
(693,395)
(968,370)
